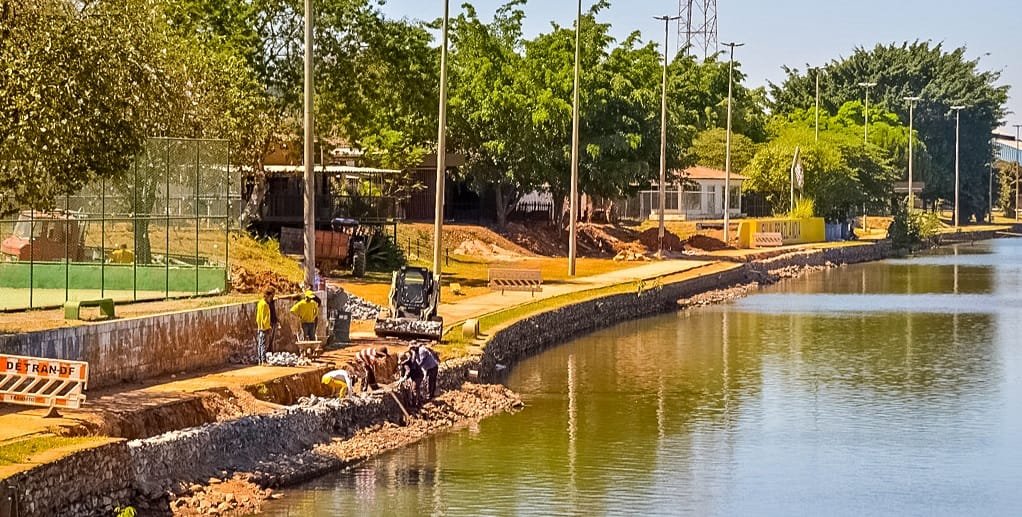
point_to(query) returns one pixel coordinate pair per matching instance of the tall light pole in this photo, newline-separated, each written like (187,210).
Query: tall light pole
(958,126)
(441,152)
(911,143)
(310,175)
(663,130)
(573,202)
(727,147)
(1017,126)
(865,123)
(818,70)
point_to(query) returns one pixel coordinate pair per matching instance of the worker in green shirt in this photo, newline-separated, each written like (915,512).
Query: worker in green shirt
(307,310)
(264,323)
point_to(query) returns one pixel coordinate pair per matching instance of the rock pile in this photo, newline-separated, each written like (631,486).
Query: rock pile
(410,328)
(361,309)
(287,359)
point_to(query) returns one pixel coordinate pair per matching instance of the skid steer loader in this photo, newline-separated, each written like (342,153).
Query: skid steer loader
(414,295)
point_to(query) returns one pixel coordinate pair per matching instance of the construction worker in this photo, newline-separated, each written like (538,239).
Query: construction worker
(410,370)
(373,361)
(122,255)
(339,380)
(429,361)
(264,324)
(307,310)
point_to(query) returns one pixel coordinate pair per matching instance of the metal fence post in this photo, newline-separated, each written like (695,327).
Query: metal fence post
(67,246)
(102,238)
(134,228)
(196,218)
(227,233)
(31,259)
(166,230)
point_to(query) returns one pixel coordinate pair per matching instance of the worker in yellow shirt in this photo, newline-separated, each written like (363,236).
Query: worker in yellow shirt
(339,381)
(307,310)
(264,323)
(122,255)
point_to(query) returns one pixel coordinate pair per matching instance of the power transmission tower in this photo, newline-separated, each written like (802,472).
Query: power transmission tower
(697,31)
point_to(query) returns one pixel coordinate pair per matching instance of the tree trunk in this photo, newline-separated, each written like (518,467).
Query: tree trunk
(501,214)
(260,186)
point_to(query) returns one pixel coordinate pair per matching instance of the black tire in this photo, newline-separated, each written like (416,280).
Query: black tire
(358,260)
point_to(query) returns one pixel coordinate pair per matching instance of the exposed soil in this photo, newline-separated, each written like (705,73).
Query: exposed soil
(651,240)
(706,243)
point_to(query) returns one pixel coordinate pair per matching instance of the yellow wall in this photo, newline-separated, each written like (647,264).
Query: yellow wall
(793,231)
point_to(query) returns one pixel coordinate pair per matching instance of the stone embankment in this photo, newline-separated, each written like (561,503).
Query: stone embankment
(212,469)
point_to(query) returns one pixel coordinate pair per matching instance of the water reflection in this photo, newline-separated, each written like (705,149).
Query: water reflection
(885,389)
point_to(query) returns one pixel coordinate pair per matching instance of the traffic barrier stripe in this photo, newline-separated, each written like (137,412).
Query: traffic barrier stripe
(43,382)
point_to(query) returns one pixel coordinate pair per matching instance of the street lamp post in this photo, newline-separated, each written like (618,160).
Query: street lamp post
(663,131)
(911,143)
(727,147)
(573,201)
(865,123)
(958,125)
(309,193)
(441,153)
(1017,127)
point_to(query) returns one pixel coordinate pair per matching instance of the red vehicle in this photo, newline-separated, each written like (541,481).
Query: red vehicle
(52,237)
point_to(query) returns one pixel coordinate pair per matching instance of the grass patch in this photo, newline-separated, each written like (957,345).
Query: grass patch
(263,255)
(454,340)
(23,450)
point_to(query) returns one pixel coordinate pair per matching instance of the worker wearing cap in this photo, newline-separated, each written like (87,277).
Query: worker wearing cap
(339,380)
(307,310)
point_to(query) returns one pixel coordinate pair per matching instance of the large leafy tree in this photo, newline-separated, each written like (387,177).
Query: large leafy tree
(841,174)
(491,105)
(620,101)
(942,78)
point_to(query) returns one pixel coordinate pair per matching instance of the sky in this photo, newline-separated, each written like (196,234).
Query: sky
(795,32)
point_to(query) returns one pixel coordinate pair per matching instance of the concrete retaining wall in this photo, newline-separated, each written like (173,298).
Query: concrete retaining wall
(142,348)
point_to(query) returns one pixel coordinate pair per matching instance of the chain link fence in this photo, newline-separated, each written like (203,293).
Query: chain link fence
(159,231)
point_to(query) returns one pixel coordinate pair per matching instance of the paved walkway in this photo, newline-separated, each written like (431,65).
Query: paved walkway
(457,310)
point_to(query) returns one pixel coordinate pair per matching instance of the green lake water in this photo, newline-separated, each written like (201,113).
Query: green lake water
(890,388)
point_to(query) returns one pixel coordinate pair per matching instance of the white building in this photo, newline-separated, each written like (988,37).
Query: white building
(701,198)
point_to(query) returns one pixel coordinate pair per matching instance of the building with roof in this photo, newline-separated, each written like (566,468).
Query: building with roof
(696,193)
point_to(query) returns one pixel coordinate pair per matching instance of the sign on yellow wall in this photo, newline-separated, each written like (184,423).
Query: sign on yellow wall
(793,231)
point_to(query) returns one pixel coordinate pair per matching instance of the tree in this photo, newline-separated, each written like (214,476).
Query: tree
(491,104)
(943,79)
(841,174)
(709,149)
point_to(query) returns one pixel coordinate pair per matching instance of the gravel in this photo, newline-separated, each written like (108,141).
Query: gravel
(361,309)
(410,328)
(287,359)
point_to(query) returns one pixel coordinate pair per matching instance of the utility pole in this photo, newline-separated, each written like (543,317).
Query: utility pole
(441,153)
(1017,126)
(911,143)
(958,126)
(865,123)
(573,202)
(727,148)
(663,132)
(310,175)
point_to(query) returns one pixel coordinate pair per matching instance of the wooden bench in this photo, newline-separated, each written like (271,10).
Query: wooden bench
(768,240)
(524,280)
(73,309)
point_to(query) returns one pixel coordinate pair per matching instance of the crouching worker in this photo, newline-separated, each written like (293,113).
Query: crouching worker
(410,370)
(339,381)
(307,310)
